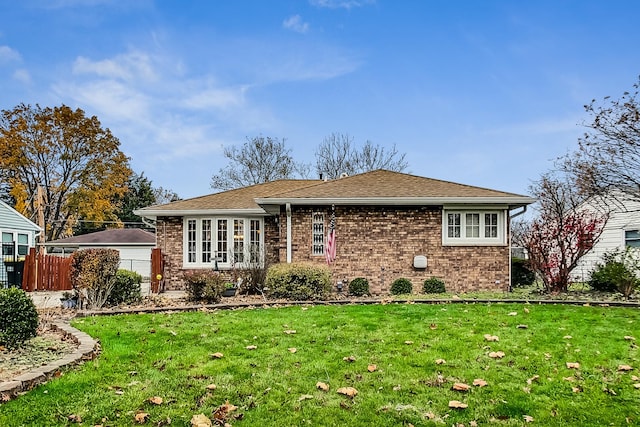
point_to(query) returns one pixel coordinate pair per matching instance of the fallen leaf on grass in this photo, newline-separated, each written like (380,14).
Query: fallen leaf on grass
(570,379)
(349,358)
(440,362)
(200,420)
(480,382)
(637,385)
(292,350)
(573,365)
(527,418)
(73,418)
(567,337)
(217,356)
(322,386)
(635,378)
(629,338)
(156,400)
(433,326)
(141,417)
(491,338)
(289,332)
(372,368)
(460,387)
(430,415)
(221,414)
(457,404)
(347,391)
(622,368)
(397,388)
(576,389)
(533,378)
(526,310)
(513,313)
(251,347)
(408,342)
(496,354)
(305,397)
(522,327)
(212,387)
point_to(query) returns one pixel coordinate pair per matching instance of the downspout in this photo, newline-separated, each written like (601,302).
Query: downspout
(511,216)
(289,243)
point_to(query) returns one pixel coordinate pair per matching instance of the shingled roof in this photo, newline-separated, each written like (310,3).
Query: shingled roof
(377,187)
(115,236)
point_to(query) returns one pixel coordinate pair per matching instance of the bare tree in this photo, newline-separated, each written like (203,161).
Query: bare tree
(337,154)
(259,160)
(608,157)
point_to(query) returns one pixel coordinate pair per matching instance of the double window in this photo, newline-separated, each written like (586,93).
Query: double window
(632,238)
(14,245)
(229,241)
(473,227)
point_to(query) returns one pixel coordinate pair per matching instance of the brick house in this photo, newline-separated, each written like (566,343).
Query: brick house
(388,225)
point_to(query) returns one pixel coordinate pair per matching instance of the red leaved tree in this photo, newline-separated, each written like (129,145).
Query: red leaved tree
(562,233)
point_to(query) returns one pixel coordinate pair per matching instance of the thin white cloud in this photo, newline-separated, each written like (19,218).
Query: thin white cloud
(341,4)
(295,23)
(22,76)
(132,65)
(9,55)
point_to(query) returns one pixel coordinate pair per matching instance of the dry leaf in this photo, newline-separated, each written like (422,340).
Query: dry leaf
(251,347)
(460,387)
(526,310)
(74,418)
(457,405)
(212,387)
(433,326)
(629,338)
(624,368)
(547,356)
(480,382)
(141,417)
(430,415)
(635,378)
(200,420)
(372,368)
(221,414)
(397,388)
(513,313)
(292,350)
(347,391)
(522,327)
(637,385)
(349,358)
(496,354)
(532,379)
(156,400)
(490,337)
(119,392)
(289,332)
(408,342)
(305,397)
(217,356)
(576,389)
(173,333)
(440,362)
(570,379)
(567,337)
(528,418)
(322,386)
(573,365)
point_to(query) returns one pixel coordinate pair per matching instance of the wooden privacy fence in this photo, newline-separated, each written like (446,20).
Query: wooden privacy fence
(157,271)
(46,272)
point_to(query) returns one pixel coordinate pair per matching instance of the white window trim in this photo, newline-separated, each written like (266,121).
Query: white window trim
(14,232)
(500,240)
(214,241)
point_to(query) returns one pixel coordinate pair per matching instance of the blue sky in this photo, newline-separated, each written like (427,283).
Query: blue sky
(485,93)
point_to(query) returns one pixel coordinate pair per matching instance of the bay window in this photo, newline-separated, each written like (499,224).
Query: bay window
(229,241)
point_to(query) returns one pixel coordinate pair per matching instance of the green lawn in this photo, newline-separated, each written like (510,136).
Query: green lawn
(170,356)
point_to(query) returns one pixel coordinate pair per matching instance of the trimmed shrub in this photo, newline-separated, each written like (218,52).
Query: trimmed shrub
(401,286)
(126,289)
(359,287)
(93,274)
(521,274)
(617,273)
(298,281)
(19,317)
(205,285)
(433,285)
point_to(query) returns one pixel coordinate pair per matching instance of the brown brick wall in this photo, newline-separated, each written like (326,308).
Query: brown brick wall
(378,243)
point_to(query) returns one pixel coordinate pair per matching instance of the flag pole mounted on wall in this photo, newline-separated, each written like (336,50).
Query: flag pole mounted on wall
(330,249)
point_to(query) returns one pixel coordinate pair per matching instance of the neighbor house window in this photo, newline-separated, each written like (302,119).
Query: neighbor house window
(473,227)
(632,238)
(225,240)
(317,231)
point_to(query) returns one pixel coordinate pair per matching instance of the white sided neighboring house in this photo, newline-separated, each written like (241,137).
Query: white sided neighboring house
(622,230)
(18,235)
(133,244)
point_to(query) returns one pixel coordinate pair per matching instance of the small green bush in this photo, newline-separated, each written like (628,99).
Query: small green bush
(401,286)
(19,317)
(433,285)
(93,274)
(617,273)
(298,281)
(521,274)
(205,285)
(359,287)
(126,289)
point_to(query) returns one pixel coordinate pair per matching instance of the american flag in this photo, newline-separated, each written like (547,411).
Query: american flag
(330,249)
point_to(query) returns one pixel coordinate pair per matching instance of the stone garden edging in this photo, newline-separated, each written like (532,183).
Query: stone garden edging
(88,349)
